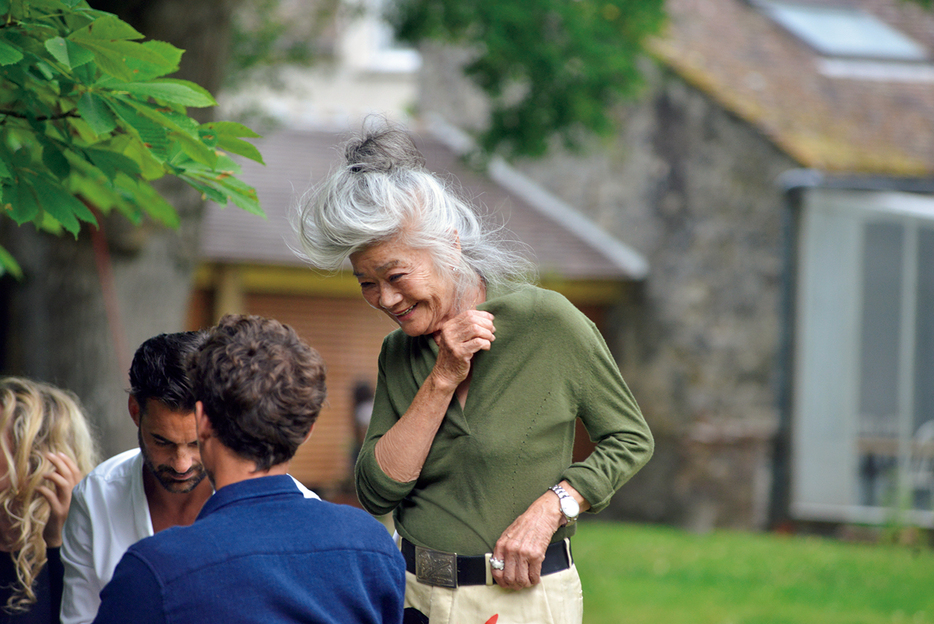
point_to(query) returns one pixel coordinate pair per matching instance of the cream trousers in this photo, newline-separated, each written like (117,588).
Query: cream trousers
(556,600)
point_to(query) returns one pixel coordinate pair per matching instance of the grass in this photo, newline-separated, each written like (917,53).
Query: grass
(637,574)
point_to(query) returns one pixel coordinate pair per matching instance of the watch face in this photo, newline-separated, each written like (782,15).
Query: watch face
(570,507)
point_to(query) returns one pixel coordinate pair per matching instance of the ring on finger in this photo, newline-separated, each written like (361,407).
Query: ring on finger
(497,564)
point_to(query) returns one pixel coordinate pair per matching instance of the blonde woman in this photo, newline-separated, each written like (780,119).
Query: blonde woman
(45,450)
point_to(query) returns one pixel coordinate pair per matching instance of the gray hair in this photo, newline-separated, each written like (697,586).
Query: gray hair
(382,191)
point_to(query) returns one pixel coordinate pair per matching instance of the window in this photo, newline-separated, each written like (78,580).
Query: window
(844,31)
(863,417)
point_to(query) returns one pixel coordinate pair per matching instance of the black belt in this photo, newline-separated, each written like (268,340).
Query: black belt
(434,567)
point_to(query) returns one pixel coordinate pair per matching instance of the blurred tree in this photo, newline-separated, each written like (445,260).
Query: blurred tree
(64,321)
(88,120)
(550,67)
(269,34)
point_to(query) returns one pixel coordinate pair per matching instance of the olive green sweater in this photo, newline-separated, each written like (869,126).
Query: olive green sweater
(513,440)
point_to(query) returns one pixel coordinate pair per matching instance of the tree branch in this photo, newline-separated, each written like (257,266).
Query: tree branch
(10,113)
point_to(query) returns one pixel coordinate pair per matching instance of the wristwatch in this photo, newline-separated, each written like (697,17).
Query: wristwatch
(569,506)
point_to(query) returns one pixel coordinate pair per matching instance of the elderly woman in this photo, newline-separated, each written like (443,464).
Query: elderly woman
(473,421)
(45,449)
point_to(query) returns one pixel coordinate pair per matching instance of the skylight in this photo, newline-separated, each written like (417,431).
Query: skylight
(844,32)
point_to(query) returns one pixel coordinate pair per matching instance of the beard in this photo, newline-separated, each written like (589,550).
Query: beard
(167,477)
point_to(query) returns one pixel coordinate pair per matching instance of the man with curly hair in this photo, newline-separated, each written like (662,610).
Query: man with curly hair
(143,491)
(259,551)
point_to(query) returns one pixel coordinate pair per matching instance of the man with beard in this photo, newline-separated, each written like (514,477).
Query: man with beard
(142,491)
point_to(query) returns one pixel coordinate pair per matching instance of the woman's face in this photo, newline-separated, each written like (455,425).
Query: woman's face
(403,283)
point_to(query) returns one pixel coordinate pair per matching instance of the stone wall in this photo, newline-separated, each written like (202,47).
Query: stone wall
(692,187)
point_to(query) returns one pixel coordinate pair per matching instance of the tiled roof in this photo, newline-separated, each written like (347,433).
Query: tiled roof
(753,67)
(296,159)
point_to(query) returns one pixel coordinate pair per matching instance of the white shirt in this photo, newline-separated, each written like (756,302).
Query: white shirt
(109,513)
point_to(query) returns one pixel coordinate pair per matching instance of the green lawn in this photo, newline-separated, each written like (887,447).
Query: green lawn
(638,574)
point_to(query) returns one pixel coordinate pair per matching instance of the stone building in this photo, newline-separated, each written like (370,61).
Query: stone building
(777,174)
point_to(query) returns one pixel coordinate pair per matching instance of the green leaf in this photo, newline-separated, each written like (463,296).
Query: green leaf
(108,27)
(68,53)
(54,159)
(21,201)
(208,137)
(180,121)
(82,131)
(204,93)
(96,113)
(9,54)
(108,60)
(242,195)
(46,70)
(227,187)
(8,264)
(208,191)
(151,202)
(4,171)
(20,209)
(231,128)
(114,57)
(105,196)
(176,92)
(48,223)
(153,135)
(113,163)
(194,148)
(88,74)
(147,70)
(61,205)
(154,113)
(150,167)
(240,147)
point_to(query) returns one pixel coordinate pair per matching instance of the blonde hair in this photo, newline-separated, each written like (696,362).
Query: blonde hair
(35,419)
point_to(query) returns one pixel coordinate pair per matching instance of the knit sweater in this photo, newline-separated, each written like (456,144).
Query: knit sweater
(514,438)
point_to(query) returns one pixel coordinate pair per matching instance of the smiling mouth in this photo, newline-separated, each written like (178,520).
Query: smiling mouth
(404,312)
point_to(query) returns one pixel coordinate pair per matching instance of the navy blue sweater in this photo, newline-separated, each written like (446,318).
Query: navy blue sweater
(261,552)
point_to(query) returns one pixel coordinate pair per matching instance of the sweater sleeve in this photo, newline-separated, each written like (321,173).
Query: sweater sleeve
(56,574)
(133,595)
(378,492)
(612,419)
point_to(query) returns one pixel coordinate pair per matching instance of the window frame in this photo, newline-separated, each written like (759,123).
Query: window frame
(825,482)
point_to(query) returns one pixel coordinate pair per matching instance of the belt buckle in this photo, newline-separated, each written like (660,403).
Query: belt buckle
(434,567)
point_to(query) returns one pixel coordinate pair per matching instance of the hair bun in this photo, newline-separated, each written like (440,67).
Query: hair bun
(382,150)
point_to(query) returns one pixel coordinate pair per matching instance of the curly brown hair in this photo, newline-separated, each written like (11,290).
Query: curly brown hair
(261,387)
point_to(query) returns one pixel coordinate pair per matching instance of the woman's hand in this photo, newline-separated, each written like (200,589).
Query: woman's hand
(63,480)
(458,340)
(522,545)
(402,450)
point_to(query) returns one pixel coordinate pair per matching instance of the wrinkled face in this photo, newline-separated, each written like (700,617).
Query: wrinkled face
(169,444)
(403,283)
